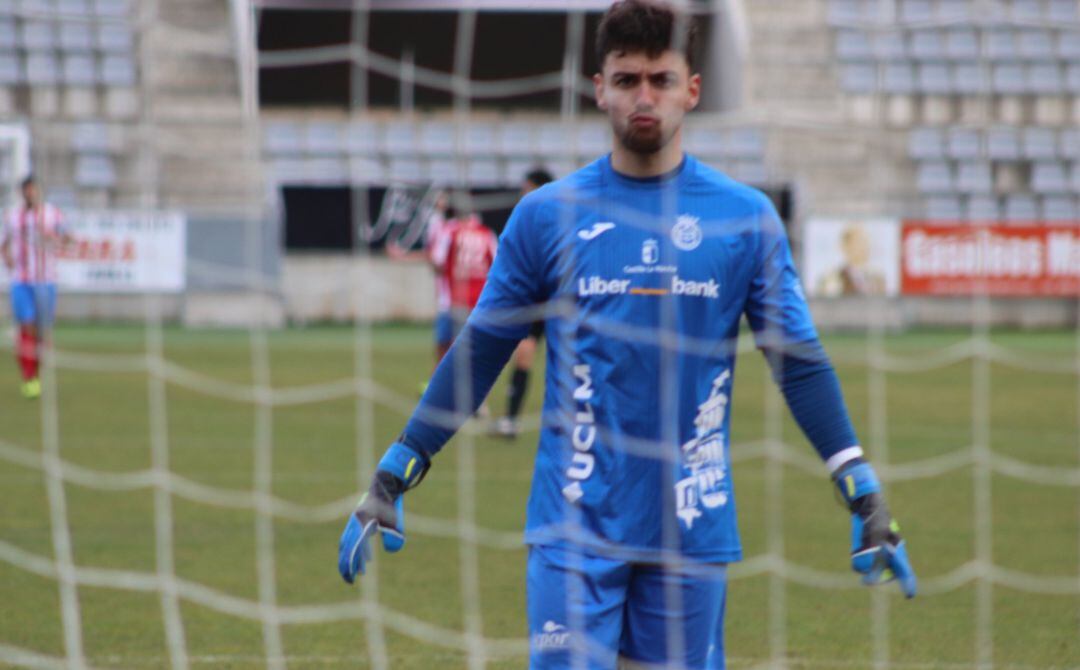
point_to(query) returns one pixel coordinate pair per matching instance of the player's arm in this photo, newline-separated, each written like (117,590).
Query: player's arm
(460,383)
(784,331)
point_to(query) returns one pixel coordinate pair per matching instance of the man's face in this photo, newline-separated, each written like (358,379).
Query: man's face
(30,194)
(646,98)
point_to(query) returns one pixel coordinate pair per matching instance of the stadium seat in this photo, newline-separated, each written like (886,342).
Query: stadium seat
(76,36)
(550,140)
(115,37)
(926,144)
(283,138)
(1069,144)
(399,137)
(438,137)
(118,71)
(1001,45)
(484,172)
(1019,207)
(854,45)
(1045,79)
(42,69)
(1074,178)
(11,70)
(974,177)
(842,12)
(1072,79)
(323,138)
(934,177)
(956,12)
(1027,11)
(364,170)
(406,169)
(927,44)
(111,8)
(943,208)
(1049,178)
(593,139)
(1058,208)
(361,137)
(515,139)
(1063,12)
(443,171)
(916,11)
(1039,143)
(1010,79)
(516,169)
(480,139)
(744,143)
(934,79)
(94,171)
(1035,45)
(899,79)
(90,137)
(860,78)
(38,36)
(879,13)
(964,144)
(982,208)
(9,36)
(970,79)
(1068,45)
(1003,143)
(962,44)
(79,70)
(325,170)
(891,46)
(76,8)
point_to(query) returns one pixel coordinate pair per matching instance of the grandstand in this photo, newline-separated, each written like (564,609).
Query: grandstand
(294,138)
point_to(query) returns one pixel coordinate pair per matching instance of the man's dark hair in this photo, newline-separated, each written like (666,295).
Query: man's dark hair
(538,177)
(28,180)
(634,26)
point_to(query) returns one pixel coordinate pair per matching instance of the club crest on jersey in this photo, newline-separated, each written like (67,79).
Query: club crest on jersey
(650,252)
(686,233)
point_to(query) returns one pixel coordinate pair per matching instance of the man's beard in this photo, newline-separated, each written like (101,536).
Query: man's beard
(643,141)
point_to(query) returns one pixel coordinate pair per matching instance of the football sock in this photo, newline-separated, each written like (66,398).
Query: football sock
(27,354)
(516,392)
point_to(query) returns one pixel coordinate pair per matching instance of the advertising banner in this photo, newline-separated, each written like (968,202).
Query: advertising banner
(851,257)
(996,259)
(121,252)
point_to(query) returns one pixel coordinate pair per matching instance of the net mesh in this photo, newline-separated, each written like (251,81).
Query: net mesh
(782,458)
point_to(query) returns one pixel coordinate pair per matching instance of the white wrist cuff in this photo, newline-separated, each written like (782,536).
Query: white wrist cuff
(843,456)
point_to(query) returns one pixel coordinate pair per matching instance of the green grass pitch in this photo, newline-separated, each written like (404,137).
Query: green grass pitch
(105,424)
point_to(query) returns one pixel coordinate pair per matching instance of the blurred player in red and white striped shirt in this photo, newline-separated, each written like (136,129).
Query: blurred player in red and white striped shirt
(29,240)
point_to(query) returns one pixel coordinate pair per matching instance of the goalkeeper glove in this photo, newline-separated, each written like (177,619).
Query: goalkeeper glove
(878,552)
(380,510)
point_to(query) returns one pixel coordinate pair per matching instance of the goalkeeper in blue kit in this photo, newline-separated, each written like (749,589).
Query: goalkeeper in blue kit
(642,264)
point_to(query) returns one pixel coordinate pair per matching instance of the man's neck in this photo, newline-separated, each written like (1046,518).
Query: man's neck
(633,164)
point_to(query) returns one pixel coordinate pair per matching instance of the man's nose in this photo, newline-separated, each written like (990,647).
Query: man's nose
(646,95)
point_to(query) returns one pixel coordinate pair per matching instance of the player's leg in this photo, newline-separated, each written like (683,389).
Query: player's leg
(575,609)
(524,356)
(444,334)
(24,309)
(659,627)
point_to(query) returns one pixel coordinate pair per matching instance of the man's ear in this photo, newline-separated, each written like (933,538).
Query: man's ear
(598,88)
(694,87)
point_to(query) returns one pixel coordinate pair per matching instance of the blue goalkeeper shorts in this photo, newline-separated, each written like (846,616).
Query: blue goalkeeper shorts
(33,303)
(444,329)
(588,611)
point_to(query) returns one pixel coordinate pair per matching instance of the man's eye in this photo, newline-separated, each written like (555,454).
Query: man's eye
(624,81)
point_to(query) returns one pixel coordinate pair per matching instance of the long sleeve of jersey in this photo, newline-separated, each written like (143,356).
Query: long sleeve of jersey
(784,331)
(460,383)
(467,372)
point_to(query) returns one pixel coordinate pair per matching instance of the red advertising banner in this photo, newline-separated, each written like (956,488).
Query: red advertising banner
(992,259)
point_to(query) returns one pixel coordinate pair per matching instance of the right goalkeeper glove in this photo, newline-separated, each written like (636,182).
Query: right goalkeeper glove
(380,510)
(878,552)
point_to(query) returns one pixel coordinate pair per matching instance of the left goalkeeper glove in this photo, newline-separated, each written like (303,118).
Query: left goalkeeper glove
(878,552)
(380,510)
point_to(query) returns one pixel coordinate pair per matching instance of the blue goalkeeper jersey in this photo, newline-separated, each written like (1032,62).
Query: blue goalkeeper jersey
(643,283)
